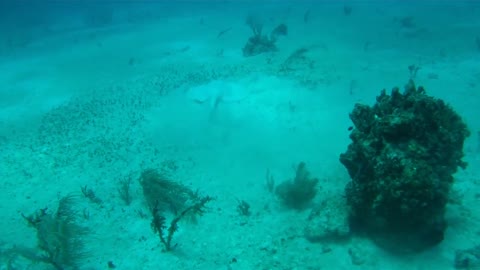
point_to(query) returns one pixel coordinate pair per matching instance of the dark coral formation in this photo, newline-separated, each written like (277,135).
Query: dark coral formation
(404,151)
(165,233)
(298,193)
(260,43)
(163,193)
(60,237)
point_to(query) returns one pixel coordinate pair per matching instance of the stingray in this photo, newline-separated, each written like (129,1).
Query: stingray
(216,92)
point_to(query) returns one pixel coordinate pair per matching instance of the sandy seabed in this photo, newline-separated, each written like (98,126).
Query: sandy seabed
(90,110)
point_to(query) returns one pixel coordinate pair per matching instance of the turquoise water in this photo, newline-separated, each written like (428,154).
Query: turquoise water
(229,99)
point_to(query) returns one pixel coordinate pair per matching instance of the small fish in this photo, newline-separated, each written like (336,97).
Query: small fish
(306,16)
(224,31)
(347,10)
(184,49)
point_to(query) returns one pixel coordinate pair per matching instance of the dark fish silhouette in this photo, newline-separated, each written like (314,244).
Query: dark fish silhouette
(221,33)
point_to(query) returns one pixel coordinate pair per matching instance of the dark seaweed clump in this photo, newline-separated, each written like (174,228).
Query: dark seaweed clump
(299,192)
(60,237)
(165,196)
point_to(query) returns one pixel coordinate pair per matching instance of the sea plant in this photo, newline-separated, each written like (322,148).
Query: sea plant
(60,237)
(166,197)
(300,191)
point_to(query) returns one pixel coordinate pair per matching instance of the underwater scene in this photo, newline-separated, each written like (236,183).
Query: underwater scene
(239,135)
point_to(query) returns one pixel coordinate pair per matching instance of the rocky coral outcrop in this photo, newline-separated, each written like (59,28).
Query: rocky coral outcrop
(404,152)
